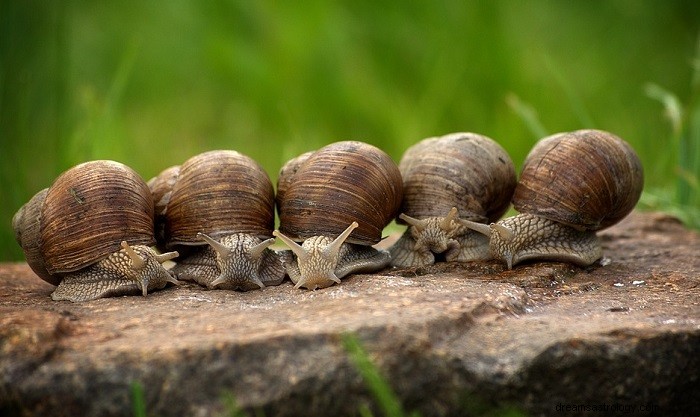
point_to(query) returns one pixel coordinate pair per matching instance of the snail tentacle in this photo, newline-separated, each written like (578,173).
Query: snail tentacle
(234,262)
(534,237)
(318,259)
(116,275)
(444,237)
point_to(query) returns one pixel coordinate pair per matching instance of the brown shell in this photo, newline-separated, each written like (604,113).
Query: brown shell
(588,179)
(465,170)
(27,226)
(338,184)
(161,187)
(219,193)
(89,210)
(286,173)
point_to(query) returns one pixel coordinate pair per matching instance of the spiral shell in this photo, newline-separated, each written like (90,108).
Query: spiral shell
(219,193)
(287,172)
(572,185)
(27,225)
(586,179)
(83,217)
(161,188)
(337,185)
(464,170)
(89,210)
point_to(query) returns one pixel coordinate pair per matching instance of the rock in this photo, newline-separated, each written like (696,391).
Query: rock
(450,339)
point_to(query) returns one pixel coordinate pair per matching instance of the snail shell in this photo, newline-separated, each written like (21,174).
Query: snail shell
(74,233)
(459,175)
(336,201)
(161,188)
(286,173)
(27,227)
(587,179)
(571,185)
(222,204)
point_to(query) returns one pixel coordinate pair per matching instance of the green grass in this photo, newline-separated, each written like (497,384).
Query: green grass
(683,157)
(153,84)
(138,402)
(386,399)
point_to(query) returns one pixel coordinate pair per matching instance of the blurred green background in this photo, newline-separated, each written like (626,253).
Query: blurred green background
(153,83)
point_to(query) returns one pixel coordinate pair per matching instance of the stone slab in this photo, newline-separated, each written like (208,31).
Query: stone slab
(451,339)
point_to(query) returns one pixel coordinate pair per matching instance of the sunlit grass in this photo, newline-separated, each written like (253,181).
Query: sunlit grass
(680,155)
(683,154)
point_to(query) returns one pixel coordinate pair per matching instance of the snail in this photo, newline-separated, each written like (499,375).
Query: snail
(336,201)
(90,234)
(161,187)
(571,186)
(446,179)
(218,209)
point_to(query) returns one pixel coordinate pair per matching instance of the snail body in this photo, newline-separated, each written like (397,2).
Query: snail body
(571,186)
(90,234)
(445,179)
(336,202)
(218,207)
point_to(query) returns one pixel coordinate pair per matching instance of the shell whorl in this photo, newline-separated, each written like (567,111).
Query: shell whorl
(27,226)
(219,193)
(464,170)
(83,217)
(337,185)
(587,179)
(161,187)
(287,172)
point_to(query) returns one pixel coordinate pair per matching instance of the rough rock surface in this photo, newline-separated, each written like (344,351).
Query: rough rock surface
(451,339)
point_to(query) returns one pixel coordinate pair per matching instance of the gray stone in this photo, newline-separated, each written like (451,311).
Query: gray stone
(451,339)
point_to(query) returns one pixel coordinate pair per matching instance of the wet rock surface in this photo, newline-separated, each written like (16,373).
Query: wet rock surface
(451,339)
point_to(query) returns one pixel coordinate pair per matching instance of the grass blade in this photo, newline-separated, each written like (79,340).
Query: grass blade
(672,106)
(231,406)
(528,115)
(380,389)
(138,402)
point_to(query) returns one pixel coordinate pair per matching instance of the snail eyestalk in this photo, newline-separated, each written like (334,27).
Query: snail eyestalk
(505,233)
(300,253)
(257,250)
(145,268)
(333,249)
(527,237)
(482,228)
(235,262)
(162,257)
(445,236)
(222,250)
(418,224)
(500,238)
(446,223)
(136,261)
(317,259)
